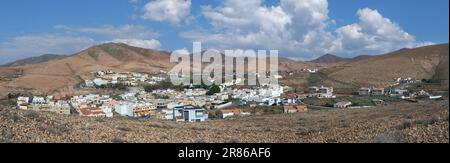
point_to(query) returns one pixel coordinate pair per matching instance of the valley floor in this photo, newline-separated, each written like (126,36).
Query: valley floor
(401,122)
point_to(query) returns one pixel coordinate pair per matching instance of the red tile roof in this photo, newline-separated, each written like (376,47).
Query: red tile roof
(91,111)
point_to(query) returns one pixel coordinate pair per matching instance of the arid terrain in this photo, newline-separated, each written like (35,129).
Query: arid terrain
(423,122)
(63,74)
(420,63)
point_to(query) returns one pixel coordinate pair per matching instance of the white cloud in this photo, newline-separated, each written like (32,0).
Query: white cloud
(173,11)
(372,34)
(34,45)
(147,44)
(298,28)
(134,35)
(293,26)
(183,51)
(116,32)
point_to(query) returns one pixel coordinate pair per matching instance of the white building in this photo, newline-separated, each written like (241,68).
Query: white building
(107,110)
(343,104)
(100,82)
(38,100)
(321,92)
(89,83)
(189,114)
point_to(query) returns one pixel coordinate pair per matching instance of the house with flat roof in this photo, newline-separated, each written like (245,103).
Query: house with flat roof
(190,113)
(364,91)
(343,104)
(373,91)
(295,109)
(321,92)
(377,91)
(232,112)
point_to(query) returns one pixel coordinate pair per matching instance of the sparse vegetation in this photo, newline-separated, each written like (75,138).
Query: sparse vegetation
(119,86)
(395,137)
(6,137)
(86,127)
(198,129)
(199,141)
(123,128)
(57,129)
(15,117)
(100,119)
(166,84)
(118,140)
(234,140)
(113,51)
(405,124)
(303,131)
(331,126)
(213,90)
(356,101)
(430,121)
(31,114)
(430,81)
(159,125)
(93,54)
(434,119)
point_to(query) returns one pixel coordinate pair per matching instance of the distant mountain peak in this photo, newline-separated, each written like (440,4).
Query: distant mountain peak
(35,60)
(329,58)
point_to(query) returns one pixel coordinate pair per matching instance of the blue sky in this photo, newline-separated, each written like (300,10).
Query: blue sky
(300,29)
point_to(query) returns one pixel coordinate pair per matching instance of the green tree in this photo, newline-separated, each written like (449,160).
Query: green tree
(213,89)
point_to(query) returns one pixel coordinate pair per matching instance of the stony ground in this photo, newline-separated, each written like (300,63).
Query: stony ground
(403,122)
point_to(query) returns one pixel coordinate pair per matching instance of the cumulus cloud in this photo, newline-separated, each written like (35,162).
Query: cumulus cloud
(117,32)
(172,11)
(183,51)
(34,45)
(298,28)
(292,26)
(146,44)
(373,34)
(133,35)
(76,39)
(243,24)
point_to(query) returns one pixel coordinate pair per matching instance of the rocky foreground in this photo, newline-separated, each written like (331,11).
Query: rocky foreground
(403,122)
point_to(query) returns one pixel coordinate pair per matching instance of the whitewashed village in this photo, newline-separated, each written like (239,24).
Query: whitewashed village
(197,104)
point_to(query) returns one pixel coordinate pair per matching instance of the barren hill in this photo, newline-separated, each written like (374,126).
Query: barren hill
(35,60)
(285,64)
(418,63)
(64,74)
(329,58)
(442,72)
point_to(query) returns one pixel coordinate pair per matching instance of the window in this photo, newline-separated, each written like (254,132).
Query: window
(199,113)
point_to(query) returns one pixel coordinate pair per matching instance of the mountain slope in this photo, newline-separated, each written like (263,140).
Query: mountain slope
(442,72)
(64,74)
(35,60)
(361,57)
(380,70)
(329,58)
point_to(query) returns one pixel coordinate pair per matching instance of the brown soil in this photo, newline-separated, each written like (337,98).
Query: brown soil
(401,122)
